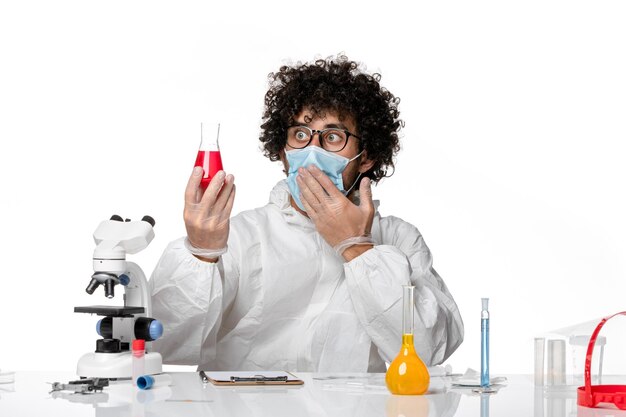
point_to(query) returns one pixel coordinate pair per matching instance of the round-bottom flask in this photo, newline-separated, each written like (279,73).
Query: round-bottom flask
(407,374)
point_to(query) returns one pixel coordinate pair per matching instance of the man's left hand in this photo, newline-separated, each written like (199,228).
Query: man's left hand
(335,216)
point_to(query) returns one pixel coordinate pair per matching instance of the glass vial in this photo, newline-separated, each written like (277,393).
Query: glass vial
(484,343)
(540,348)
(138,359)
(556,362)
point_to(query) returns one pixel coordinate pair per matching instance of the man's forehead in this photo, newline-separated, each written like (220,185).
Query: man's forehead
(327,116)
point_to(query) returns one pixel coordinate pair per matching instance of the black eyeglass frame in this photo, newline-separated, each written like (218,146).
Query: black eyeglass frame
(321,133)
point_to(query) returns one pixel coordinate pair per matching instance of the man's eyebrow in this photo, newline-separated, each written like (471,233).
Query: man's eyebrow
(336,125)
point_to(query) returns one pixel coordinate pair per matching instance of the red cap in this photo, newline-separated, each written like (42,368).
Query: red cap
(139,344)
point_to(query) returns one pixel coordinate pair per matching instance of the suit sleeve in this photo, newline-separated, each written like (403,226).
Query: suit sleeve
(188,297)
(375,281)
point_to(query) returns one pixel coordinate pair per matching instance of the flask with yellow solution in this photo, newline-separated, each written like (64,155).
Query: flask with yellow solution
(407,374)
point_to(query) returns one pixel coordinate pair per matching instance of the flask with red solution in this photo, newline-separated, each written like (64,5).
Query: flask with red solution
(209,156)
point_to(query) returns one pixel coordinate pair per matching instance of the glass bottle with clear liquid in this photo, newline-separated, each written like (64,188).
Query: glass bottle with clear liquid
(407,374)
(209,155)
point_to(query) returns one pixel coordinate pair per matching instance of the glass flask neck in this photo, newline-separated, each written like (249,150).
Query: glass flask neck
(209,139)
(408,309)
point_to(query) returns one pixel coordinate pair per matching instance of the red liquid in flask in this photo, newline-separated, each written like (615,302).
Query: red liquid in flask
(211,163)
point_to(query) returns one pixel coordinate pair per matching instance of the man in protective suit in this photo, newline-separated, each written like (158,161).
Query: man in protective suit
(313,280)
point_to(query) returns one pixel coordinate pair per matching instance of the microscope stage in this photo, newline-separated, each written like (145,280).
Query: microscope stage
(115,311)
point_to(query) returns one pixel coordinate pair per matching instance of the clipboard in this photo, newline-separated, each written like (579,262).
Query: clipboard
(248,378)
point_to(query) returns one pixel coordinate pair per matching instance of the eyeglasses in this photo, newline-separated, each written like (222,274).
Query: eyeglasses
(332,139)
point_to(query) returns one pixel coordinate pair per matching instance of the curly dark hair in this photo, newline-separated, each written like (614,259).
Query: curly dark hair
(335,85)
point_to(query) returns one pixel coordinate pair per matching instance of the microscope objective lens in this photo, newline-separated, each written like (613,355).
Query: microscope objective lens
(92,286)
(109,291)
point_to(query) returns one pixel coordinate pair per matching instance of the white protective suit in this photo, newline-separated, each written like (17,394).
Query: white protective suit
(282,299)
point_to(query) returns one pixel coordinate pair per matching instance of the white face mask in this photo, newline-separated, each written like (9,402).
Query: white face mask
(329,163)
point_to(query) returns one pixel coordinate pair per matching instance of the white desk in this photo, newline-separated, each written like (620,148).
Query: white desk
(361,395)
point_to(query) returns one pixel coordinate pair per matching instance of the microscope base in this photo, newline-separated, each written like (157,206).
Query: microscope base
(116,365)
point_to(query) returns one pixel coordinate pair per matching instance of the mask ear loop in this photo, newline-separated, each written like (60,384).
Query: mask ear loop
(353,184)
(358,176)
(357,155)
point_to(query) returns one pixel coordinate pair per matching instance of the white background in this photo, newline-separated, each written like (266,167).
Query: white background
(512,161)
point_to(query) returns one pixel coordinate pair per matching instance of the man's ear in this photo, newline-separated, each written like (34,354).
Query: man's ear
(365,164)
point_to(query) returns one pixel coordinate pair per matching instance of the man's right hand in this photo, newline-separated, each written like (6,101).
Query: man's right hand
(207,214)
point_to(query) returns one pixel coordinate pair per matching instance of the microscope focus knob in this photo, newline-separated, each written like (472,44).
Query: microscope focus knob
(104,327)
(149,219)
(148,329)
(108,346)
(156,329)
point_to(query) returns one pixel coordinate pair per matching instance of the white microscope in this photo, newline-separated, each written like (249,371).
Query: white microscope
(113,357)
